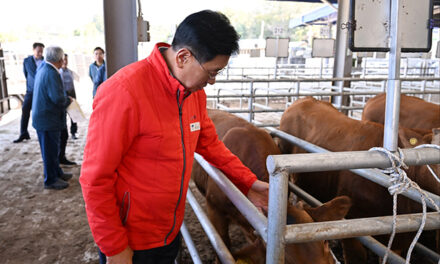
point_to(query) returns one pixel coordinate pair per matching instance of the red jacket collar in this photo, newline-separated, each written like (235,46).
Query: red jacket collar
(157,60)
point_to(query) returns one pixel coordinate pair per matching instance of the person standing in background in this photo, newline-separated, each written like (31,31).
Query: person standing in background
(30,66)
(49,117)
(69,88)
(97,71)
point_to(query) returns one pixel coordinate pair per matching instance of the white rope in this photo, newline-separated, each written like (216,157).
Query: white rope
(334,257)
(429,167)
(400,183)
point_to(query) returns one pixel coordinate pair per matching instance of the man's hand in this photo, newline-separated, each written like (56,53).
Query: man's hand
(258,194)
(124,257)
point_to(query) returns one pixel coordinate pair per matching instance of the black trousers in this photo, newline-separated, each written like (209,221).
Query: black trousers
(63,143)
(25,113)
(161,255)
(73,127)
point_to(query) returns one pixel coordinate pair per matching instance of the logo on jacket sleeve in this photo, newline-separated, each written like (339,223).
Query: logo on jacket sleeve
(194,126)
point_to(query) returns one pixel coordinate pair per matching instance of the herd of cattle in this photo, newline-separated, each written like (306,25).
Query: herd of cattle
(346,195)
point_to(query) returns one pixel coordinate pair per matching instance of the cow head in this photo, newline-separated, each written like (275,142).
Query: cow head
(302,253)
(409,138)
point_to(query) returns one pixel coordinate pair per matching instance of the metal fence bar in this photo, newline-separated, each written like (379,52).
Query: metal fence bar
(250,102)
(427,252)
(277,213)
(282,95)
(368,241)
(190,244)
(246,208)
(312,162)
(375,79)
(300,233)
(216,241)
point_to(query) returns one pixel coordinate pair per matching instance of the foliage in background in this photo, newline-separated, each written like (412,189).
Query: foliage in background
(248,23)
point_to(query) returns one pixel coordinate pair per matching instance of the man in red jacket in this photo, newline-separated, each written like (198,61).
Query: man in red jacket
(148,120)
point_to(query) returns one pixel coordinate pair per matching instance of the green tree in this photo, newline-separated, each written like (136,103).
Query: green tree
(272,14)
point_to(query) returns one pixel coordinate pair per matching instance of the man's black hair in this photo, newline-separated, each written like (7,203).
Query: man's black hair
(99,48)
(37,44)
(206,34)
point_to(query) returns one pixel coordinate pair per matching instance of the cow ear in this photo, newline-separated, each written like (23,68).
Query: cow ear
(435,136)
(409,138)
(333,210)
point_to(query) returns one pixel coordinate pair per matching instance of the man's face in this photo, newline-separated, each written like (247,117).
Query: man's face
(198,75)
(38,53)
(99,56)
(65,62)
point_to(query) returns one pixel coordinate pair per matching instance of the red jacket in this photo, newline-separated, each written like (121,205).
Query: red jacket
(139,155)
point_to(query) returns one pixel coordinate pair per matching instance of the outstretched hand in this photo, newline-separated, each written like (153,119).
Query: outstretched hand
(258,194)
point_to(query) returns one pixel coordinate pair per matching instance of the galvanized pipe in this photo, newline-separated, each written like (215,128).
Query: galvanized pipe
(312,162)
(246,208)
(376,176)
(250,102)
(216,241)
(374,79)
(277,213)
(367,241)
(427,252)
(190,244)
(300,233)
(280,95)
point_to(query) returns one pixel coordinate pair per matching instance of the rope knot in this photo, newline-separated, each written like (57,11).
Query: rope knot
(399,180)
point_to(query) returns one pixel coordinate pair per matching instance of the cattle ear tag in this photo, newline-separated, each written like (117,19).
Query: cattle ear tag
(413,141)
(194,126)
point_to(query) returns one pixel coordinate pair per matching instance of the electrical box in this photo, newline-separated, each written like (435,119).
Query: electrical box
(143,28)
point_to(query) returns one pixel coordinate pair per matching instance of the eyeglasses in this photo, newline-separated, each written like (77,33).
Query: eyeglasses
(211,74)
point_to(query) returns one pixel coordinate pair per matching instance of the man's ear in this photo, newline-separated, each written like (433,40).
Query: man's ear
(182,57)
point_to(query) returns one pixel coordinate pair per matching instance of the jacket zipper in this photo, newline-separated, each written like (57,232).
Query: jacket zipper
(179,105)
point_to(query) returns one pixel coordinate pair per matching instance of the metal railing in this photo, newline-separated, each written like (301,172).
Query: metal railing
(279,166)
(288,90)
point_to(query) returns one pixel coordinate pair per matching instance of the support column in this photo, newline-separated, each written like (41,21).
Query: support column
(120,29)
(392,105)
(342,63)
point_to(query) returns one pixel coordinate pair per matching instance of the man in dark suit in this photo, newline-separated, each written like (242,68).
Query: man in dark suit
(30,66)
(49,117)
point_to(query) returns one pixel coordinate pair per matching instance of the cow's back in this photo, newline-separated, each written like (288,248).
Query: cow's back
(414,112)
(320,123)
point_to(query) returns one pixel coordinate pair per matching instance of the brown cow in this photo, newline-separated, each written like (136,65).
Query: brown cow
(252,145)
(414,112)
(419,117)
(321,124)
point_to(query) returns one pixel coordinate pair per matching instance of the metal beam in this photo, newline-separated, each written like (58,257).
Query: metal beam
(190,244)
(216,241)
(246,208)
(313,162)
(300,233)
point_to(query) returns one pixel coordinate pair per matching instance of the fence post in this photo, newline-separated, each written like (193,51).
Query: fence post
(277,217)
(251,102)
